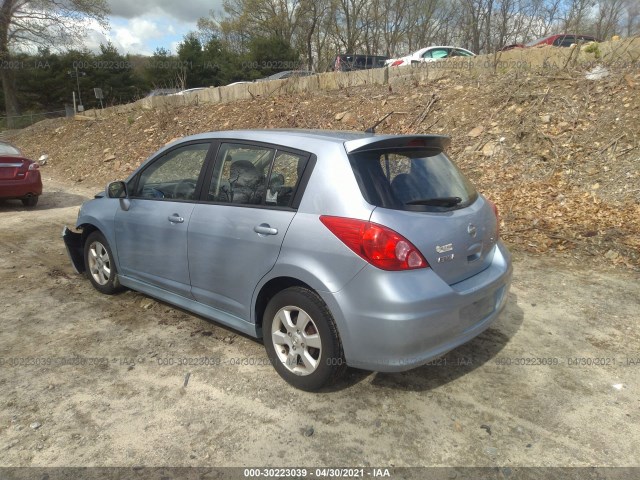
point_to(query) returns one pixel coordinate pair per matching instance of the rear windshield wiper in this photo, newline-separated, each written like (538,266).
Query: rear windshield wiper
(437,202)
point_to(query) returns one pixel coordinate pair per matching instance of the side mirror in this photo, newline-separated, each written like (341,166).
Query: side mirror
(119,190)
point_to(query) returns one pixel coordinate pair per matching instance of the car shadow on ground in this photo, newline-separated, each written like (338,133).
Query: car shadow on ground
(455,364)
(47,201)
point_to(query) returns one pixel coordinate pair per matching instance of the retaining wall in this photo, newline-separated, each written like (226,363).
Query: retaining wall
(530,59)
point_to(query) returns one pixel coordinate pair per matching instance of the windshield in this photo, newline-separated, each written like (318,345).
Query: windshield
(537,40)
(411,179)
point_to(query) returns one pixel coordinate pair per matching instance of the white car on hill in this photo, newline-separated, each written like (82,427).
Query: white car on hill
(429,54)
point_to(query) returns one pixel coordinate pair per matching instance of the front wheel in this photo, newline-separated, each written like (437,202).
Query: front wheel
(301,339)
(100,267)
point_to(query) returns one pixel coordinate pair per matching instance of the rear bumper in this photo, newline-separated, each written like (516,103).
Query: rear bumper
(73,242)
(29,186)
(395,321)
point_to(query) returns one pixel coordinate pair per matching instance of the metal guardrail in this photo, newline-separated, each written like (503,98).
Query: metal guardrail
(22,121)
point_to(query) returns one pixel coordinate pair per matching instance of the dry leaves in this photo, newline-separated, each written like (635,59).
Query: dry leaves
(559,155)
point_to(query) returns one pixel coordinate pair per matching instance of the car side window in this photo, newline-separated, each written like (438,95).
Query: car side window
(461,53)
(173,176)
(285,176)
(437,53)
(255,175)
(240,175)
(565,41)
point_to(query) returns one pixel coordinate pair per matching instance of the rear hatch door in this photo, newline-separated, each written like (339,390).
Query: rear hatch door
(422,195)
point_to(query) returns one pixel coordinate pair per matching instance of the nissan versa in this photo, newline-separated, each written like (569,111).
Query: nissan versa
(335,248)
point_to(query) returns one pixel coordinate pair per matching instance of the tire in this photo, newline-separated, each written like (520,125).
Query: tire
(30,201)
(100,267)
(307,356)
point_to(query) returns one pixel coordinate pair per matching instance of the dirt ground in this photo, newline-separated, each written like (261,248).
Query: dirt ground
(91,380)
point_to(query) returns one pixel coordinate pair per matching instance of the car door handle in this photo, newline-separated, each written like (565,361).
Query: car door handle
(265,229)
(175,218)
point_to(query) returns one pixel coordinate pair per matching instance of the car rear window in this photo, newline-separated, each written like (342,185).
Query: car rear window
(8,150)
(411,179)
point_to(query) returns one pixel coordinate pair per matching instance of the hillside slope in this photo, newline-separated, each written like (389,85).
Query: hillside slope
(558,153)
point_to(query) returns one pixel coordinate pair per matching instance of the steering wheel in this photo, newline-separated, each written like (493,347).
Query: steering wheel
(184,189)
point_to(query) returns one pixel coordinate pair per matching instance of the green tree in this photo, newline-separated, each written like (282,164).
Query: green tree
(162,69)
(41,22)
(269,55)
(113,73)
(221,66)
(191,56)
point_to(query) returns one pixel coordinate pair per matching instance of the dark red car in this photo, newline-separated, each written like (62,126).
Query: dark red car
(19,176)
(557,40)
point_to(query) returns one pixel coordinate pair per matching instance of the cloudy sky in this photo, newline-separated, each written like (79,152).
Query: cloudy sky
(140,26)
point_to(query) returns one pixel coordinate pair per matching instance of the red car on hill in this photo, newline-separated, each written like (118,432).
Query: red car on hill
(19,176)
(557,40)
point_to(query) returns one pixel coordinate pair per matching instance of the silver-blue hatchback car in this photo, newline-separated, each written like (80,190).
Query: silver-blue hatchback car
(335,248)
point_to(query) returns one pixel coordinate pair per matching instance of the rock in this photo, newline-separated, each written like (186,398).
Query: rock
(308,431)
(349,118)
(340,116)
(493,451)
(476,132)
(106,150)
(598,73)
(489,149)
(147,303)
(35,425)
(611,255)
(629,81)
(109,157)
(487,428)
(545,118)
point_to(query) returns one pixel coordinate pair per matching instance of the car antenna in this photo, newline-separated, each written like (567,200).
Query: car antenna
(373,129)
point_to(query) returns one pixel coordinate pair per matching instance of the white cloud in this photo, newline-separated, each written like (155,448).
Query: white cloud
(173,48)
(134,36)
(188,11)
(94,38)
(139,35)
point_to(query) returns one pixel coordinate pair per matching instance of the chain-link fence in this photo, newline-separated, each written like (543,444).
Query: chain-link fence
(21,121)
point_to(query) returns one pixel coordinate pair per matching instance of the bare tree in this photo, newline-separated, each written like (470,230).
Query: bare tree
(348,22)
(576,15)
(632,18)
(41,23)
(608,21)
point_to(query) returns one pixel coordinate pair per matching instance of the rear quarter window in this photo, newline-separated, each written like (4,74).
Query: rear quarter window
(411,179)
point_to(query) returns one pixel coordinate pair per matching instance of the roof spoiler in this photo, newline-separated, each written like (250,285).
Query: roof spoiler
(439,142)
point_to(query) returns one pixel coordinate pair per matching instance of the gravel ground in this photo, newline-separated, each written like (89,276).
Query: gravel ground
(91,380)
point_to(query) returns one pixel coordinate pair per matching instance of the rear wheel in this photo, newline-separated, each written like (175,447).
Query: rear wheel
(301,339)
(30,201)
(100,267)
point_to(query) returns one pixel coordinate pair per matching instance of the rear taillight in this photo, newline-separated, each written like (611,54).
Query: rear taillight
(397,63)
(377,244)
(495,211)
(33,166)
